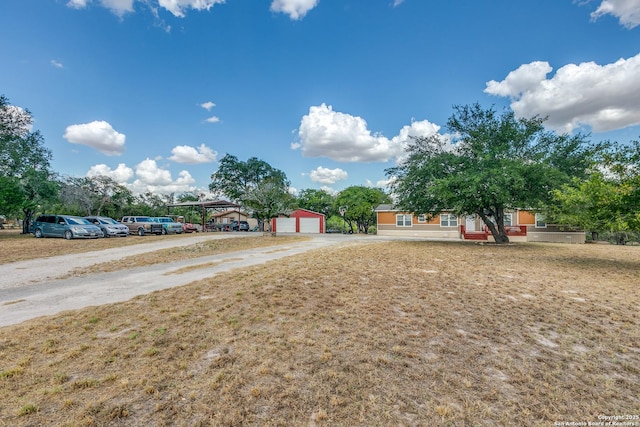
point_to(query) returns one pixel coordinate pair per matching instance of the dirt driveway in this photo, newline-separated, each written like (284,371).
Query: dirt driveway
(31,289)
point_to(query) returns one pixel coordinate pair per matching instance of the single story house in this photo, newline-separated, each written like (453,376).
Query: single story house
(521,225)
(299,221)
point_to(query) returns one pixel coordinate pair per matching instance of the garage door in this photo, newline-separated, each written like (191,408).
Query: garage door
(309,225)
(286,225)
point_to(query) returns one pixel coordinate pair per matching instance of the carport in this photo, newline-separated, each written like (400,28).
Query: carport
(215,205)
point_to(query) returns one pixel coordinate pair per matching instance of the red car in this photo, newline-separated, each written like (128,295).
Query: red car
(189,228)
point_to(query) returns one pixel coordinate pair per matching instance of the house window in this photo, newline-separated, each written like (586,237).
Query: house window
(448,220)
(403,220)
(422,218)
(541,221)
(507,220)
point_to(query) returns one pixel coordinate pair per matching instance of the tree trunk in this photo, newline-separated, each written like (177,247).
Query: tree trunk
(594,236)
(497,229)
(28,216)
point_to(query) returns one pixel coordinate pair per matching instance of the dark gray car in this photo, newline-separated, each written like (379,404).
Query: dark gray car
(67,226)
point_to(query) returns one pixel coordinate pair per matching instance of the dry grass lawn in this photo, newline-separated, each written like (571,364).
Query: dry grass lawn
(379,334)
(24,247)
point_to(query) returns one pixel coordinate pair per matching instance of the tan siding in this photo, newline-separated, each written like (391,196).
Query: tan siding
(556,237)
(386,218)
(525,217)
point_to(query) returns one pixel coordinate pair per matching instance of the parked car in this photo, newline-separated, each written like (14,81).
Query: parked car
(109,226)
(67,226)
(168,225)
(142,225)
(189,227)
(240,226)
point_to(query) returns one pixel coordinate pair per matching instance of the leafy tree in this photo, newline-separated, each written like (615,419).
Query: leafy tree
(496,162)
(27,181)
(360,203)
(234,177)
(266,200)
(608,200)
(189,197)
(151,204)
(97,195)
(10,196)
(317,201)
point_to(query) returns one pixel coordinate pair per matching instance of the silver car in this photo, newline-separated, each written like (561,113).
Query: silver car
(67,226)
(109,226)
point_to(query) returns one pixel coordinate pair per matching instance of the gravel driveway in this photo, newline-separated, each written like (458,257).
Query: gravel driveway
(28,291)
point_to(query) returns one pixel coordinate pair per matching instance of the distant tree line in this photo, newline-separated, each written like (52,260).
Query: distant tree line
(495,162)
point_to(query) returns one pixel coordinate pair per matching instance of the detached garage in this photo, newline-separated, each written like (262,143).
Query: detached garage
(299,221)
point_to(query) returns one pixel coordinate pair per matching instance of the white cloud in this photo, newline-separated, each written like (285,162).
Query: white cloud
(122,174)
(329,190)
(385,183)
(149,173)
(327,176)
(56,64)
(604,97)
(208,105)
(213,119)
(188,154)
(627,11)
(97,134)
(520,80)
(397,3)
(77,4)
(151,177)
(178,7)
(118,7)
(296,9)
(346,138)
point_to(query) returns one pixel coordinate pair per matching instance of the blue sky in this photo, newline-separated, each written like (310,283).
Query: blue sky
(155,92)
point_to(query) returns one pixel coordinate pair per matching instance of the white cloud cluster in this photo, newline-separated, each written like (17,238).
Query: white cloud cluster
(208,106)
(149,177)
(327,176)
(627,11)
(77,4)
(178,7)
(603,97)
(191,155)
(97,134)
(296,9)
(117,7)
(346,138)
(122,174)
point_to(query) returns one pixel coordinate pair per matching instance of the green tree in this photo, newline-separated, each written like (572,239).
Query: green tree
(360,203)
(234,177)
(495,163)
(27,181)
(267,200)
(96,195)
(608,200)
(317,201)
(151,204)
